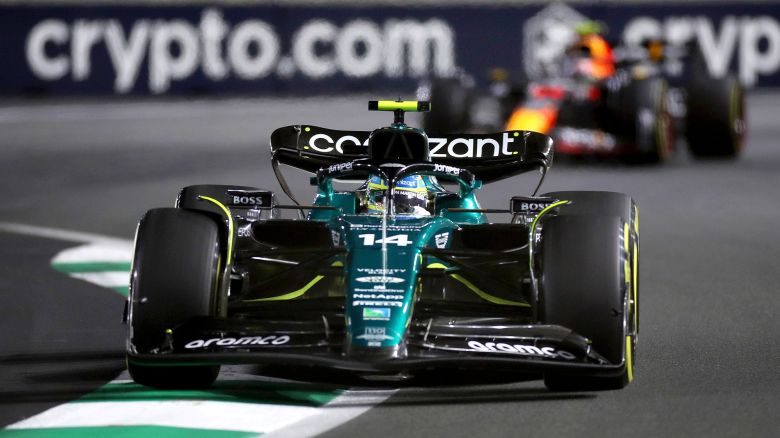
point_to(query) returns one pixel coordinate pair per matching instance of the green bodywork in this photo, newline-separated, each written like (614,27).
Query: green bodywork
(384,256)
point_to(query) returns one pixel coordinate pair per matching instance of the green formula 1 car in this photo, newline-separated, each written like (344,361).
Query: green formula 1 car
(399,274)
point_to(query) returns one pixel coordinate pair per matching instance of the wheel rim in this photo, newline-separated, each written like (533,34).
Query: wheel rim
(736,115)
(663,129)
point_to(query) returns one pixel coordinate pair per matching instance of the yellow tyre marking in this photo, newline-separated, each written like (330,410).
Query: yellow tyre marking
(636,220)
(629,360)
(636,288)
(230,225)
(532,230)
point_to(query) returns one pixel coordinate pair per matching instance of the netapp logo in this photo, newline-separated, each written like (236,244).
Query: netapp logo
(248,50)
(525,350)
(233,342)
(374,296)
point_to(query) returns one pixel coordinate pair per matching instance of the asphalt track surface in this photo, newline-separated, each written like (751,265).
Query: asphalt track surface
(708,355)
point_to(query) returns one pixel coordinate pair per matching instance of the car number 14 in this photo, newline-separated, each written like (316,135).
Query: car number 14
(398,239)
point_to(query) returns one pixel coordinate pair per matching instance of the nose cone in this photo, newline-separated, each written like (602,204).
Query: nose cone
(375,353)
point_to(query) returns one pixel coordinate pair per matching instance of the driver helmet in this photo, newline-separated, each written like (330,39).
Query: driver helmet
(410,196)
(594,54)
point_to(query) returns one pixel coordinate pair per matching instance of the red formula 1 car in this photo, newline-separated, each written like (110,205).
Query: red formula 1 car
(604,105)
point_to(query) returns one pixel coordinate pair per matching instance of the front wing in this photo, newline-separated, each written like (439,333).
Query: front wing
(432,342)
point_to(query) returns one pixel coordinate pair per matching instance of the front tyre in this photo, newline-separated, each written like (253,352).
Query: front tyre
(644,102)
(584,286)
(174,279)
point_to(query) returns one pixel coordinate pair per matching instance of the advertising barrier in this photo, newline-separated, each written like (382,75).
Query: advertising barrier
(269,49)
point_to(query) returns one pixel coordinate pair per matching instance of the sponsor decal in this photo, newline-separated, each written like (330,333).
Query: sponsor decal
(336,236)
(378,296)
(399,228)
(470,148)
(410,182)
(749,43)
(379,227)
(397,239)
(446,169)
(253,215)
(376,334)
(594,139)
(245,231)
(752,43)
(176,50)
(379,279)
(376,180)
(441,240)
(524,350)
(440,147)
(238,342)
(370,303)
(379,288)
(247,198)
(417,195)
(523,205)
(340,167)
(325,143)
(376,313)
(381,271)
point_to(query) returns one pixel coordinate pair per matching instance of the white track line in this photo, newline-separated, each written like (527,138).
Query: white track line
(340,410)
(273,421)
(58,234)
(191,414)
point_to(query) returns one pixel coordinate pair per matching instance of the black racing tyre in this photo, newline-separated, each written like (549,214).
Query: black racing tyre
(583,287)
(715,117)
(174,278)
(595,203)
(450,103)
(600,203)
(644,121)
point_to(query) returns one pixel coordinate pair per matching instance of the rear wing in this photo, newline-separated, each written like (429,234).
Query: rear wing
(490,157)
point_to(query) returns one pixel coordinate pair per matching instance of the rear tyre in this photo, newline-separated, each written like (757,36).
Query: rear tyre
(715,120)
(450,103)
(174,279)
(584,287)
